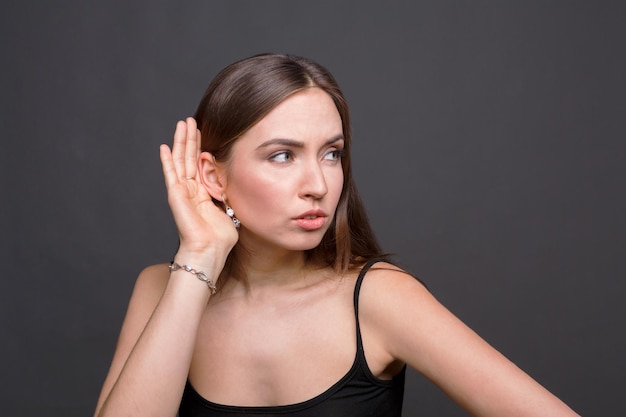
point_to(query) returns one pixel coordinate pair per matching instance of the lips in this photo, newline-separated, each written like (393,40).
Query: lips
(311,220)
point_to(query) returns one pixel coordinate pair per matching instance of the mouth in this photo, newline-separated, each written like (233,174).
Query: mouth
(311,220)
(312,214)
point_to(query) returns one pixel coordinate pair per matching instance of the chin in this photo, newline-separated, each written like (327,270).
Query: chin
(299,241)
(302,243)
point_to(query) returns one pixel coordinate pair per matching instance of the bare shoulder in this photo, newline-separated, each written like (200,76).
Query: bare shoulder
(411,326)
(153,278)
(149,288)
(389,295)
(391,302)
(385,283)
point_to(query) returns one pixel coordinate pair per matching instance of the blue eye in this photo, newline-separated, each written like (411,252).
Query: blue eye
(334,154)
(281,157)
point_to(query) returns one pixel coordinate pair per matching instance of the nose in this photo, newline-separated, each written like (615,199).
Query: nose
(313,181)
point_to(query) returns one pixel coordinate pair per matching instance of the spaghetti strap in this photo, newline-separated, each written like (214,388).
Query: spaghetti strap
(357,291)
(357,393)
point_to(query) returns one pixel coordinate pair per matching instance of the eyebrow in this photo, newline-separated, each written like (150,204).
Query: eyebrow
(294,143)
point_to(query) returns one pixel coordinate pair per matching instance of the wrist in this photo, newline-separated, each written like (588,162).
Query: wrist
(211,262)
(200,275)
(208,258)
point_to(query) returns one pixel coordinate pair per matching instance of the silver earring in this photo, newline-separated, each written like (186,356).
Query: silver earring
(231,213)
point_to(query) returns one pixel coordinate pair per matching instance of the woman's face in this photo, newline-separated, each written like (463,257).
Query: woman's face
(285,177)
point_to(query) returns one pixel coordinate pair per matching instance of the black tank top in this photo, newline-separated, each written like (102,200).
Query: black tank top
(358,394)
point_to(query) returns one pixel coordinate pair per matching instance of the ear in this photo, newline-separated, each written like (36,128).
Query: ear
(212,175)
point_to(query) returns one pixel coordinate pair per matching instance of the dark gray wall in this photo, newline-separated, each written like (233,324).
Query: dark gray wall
(489,149)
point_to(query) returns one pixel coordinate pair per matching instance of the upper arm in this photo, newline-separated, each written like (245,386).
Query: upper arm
(413,327)
(147,292)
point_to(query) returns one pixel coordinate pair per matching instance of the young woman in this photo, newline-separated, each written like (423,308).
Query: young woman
(279,300)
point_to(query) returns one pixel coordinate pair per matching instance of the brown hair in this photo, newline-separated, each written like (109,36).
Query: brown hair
(239,97)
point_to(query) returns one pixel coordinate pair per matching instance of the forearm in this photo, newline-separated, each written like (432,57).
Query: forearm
(153,376)
(154,353)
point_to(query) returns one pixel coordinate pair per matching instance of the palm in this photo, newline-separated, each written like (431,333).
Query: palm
(199,221)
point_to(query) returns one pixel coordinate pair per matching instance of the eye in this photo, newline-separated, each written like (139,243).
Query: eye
(334,154)
(281,157)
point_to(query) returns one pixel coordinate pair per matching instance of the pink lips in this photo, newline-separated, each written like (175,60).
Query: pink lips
(311,220)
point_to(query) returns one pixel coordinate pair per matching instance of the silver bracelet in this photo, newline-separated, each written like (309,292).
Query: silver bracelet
(199,274)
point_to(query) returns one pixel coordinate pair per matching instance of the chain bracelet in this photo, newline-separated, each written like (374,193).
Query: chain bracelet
(199,274)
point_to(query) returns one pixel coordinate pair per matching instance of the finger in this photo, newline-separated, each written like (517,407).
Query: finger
(199,143)
(191,157)
(169,172)
(178,149)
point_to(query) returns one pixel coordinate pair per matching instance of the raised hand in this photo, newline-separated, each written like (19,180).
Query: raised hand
(204,229)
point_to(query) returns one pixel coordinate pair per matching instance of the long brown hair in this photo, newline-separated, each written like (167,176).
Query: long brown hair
(239,97)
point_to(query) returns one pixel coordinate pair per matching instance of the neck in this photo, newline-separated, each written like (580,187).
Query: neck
(270,269)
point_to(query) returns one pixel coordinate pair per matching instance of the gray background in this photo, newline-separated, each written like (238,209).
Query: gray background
(490,152)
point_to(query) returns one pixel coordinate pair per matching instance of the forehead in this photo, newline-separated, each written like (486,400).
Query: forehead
(306,115)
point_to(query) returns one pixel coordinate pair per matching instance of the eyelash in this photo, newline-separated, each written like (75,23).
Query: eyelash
(338,154)
(275,156)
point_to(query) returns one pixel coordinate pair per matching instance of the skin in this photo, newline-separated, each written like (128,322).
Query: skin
(239,346)
(287,164)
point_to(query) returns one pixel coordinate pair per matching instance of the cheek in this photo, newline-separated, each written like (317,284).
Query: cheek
(335,186)
(253,193)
